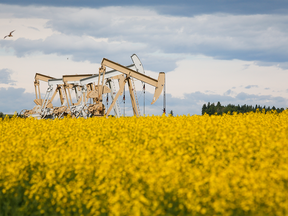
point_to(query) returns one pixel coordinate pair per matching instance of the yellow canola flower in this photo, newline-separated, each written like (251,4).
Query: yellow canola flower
(185,165)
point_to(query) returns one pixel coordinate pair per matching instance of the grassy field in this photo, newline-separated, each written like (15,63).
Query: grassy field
(185,165)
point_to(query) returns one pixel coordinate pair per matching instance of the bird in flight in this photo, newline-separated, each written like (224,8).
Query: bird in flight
(10,35)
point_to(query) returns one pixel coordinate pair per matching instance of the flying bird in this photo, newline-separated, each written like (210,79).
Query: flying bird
(10,35)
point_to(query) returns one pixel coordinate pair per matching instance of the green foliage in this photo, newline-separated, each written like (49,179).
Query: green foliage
(211,109)
(2,115)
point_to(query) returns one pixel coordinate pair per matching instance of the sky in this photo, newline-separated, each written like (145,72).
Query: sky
(230,51)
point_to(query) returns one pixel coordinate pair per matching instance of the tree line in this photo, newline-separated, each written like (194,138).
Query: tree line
(212,109)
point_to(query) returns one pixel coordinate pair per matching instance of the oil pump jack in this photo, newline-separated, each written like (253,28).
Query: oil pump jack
(110,78)
(92,86)
(44,107)
(74,109)
(125,76)
(38,101)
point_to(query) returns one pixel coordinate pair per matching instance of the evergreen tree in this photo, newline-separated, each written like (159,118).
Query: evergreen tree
(238,108)
(211,109)
(204,109)
(219,108)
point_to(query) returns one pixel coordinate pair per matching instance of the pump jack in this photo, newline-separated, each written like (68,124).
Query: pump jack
(126,74)
(52,112)
(93,86)
(110,77)
(73,82)
(38,101)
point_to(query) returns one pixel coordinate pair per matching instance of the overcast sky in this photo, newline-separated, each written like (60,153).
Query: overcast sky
(211,50)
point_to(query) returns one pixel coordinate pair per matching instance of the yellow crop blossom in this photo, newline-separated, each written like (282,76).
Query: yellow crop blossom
(185,165)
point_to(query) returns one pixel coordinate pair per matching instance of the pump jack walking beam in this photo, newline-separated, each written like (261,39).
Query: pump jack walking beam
(159,84)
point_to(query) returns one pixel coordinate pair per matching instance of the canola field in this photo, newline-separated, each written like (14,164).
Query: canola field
(185,165)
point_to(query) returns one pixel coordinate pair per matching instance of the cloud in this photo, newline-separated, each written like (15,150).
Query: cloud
(251,86)
(196,100)
(31,27)
(192,103)
(198,49)
(5,77)
(229,92)
(15,99)
(179,8)
(83,48)
(261,99)
(161,40)
(223,36)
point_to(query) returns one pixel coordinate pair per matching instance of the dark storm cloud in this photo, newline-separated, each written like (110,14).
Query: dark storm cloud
(179,8)
(5,76)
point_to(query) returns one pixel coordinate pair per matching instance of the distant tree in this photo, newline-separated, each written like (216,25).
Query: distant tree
(208,105)
(204,108)
(244,108)
(171,113)
(238,108)
(1,115)
(211,109)
(219,108)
